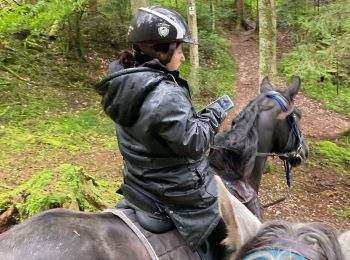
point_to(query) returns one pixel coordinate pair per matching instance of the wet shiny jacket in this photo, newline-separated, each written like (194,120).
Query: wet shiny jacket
(164,141)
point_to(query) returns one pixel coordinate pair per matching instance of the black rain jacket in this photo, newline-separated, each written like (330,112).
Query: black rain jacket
(164,142)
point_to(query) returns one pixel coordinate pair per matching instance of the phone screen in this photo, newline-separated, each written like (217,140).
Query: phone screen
(225,102)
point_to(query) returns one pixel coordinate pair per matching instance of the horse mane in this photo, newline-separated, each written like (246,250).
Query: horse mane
(318,236)
(234,149)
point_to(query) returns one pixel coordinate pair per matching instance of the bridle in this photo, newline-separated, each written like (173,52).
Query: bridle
(293,148)
(282,248)
(295,140)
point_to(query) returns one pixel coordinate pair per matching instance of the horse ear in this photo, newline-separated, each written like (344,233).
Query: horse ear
(241,224)
(344,241)
(265,85)
(293,88)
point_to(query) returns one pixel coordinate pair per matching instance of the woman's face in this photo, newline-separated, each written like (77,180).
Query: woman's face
(177,59)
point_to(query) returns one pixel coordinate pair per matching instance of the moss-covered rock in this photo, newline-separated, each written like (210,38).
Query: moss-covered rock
(64,186)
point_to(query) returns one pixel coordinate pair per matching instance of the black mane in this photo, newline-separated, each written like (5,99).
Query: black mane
(233,152)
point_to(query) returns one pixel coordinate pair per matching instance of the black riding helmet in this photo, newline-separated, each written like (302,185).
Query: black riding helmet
(158,25)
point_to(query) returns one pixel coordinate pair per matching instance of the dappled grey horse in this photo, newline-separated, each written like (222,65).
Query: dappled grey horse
(268,125)
(250,239)
(68,234)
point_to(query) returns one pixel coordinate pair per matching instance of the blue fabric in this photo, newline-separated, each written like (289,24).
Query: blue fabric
(273,254)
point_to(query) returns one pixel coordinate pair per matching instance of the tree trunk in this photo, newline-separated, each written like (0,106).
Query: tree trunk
(213,14)
(78,38)
(257,17)
(136,4)
(267,39)
(194,57)
(239,4)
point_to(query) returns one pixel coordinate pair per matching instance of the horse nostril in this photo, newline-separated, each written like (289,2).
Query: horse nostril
(296,160)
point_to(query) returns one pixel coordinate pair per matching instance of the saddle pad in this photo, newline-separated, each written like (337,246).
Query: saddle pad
(165,246)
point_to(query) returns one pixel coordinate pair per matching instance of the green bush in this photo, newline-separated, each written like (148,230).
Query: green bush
(321,57)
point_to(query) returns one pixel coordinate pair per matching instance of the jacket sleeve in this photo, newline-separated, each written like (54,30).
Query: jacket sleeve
(187,133)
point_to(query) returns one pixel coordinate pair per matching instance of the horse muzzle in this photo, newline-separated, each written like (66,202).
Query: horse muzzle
(300,156)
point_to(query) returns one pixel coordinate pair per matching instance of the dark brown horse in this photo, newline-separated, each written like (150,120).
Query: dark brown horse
(67,234)
(269,125)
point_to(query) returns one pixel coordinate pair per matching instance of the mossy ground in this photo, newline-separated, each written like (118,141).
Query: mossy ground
(64,186)
(319,188)
(51,117)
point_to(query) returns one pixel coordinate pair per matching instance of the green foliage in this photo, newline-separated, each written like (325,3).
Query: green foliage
(344,213)
(38,17)
(110,24)
(332,156)
(322,55)
(64,186)
(219,66)
(226,13)
(216,64)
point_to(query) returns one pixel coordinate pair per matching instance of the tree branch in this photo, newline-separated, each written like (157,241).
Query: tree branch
(15,74)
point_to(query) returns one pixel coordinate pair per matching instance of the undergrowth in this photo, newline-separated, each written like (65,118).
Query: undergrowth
(321,56)
(333,157)
(64,186)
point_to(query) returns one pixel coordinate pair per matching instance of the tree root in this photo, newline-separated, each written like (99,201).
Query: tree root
(8,218)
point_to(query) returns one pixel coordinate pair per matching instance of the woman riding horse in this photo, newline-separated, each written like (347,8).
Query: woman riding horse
(162,138)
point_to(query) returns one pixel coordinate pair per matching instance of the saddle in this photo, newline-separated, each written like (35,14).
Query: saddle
(149,213)
(152,220)
(165,246)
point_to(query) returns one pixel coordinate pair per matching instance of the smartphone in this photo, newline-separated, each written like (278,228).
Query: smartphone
(225,102)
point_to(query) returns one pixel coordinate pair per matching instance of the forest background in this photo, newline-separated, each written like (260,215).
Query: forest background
(58,149)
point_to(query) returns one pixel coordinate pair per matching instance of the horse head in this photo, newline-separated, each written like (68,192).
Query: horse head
(247,238)
(268,125)
(287,135)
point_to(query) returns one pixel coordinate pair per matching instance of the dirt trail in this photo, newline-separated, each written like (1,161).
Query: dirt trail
(319,194)
(317,122)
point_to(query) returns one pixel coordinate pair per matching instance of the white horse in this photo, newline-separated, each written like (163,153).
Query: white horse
(248,238)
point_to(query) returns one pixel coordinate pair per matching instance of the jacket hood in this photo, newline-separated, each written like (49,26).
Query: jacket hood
(125,91)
